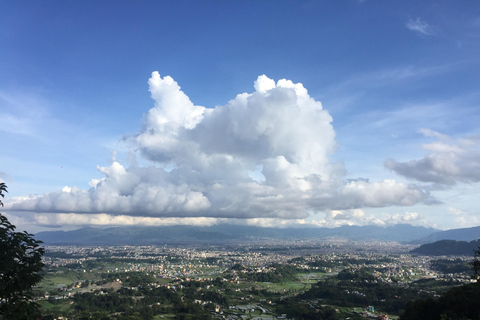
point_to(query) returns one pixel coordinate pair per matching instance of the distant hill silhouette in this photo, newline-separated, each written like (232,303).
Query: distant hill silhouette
(447,247)
(463,234)
(225,233)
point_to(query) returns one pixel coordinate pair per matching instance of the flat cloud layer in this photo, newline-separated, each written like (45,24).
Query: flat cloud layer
(264,154)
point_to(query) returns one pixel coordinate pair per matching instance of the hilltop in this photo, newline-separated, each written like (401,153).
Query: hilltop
(462,234)
(447,247)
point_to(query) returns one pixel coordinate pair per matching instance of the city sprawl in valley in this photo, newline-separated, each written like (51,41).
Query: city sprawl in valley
(285,280)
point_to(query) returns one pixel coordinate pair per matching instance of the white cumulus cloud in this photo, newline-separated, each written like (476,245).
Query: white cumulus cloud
(449,161)
(337,218)
(263,155)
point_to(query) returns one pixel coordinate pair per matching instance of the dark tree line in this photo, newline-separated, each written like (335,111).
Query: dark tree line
(353,288)
(458,303)
(20,266)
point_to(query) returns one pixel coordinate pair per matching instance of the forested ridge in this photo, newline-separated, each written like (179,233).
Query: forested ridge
(448,247)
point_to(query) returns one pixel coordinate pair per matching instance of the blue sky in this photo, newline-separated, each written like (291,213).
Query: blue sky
(377,122)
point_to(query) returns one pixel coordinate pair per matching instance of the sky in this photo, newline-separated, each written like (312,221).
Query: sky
(264,113)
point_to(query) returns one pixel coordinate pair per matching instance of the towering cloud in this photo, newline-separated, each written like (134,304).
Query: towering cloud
(264,154)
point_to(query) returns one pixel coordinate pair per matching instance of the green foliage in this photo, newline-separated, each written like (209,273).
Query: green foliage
(238,267)
(458,303)
(278,273)
(3,188)
(301,311)
(131,279)
(353,288)
(108,302)
(215,297)
(450,266)
(20,266)
(158,295)
(447,247)
(358,275)
(476,265)
(191,311)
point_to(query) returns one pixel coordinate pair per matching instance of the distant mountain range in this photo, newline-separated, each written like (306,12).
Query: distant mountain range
(226,234)
(464,234)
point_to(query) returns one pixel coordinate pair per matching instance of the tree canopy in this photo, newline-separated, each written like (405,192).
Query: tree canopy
(458,303)
(3,188)
(476,265)
(20,266)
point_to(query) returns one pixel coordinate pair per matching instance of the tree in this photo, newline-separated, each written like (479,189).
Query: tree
(20,266)
(476,265)
(3,188)
(457,303)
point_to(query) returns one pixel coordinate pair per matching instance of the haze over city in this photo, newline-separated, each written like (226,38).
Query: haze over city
(278,114)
